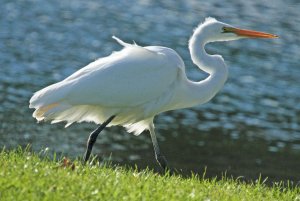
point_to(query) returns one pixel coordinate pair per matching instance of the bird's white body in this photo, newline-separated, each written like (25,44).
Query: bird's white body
(135,84)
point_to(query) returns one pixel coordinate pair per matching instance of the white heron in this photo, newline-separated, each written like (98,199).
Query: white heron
(131,86)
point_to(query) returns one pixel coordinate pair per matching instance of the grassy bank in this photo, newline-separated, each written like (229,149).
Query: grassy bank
(28,176)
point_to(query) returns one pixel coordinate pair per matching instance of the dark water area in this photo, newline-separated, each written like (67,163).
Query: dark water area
(251,127)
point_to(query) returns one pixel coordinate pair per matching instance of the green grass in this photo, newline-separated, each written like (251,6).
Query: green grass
(28,176)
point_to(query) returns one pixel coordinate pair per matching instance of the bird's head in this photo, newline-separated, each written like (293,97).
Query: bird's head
(219,31)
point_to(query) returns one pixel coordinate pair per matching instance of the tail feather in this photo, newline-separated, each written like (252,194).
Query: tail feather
(50,95)
(49,100)
(39,113)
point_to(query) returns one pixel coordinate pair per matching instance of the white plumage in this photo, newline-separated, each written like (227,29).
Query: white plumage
(134,84)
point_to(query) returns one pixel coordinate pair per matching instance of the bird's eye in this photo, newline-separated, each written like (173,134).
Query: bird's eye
(227,29)
(224,29)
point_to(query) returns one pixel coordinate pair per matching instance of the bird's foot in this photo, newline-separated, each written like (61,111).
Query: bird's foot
(162,161)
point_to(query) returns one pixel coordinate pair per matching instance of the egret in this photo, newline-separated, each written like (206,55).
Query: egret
(131,86)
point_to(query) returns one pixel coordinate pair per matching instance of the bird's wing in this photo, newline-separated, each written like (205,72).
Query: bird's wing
(130,77)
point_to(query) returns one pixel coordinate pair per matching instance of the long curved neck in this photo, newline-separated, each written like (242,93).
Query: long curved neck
(203,91)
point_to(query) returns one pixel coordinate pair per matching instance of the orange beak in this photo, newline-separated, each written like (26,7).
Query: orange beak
(249,33)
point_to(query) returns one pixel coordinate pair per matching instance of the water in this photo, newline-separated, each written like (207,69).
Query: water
(251,127)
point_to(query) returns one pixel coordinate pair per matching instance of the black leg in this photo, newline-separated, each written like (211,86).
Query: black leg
(159,157)
(93,136)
